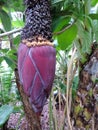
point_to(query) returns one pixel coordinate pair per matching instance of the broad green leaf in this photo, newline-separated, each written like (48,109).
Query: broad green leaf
(5,112)
(94,2)
(18,23)
(66,38)
(5,19)
(60,23)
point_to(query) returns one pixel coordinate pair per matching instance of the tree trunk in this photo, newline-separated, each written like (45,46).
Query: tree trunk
(32,119)
(85,106)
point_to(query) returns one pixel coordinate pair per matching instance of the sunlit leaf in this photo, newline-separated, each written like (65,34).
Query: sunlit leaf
(66,38)
(94,2)
(18,23)
(6,21)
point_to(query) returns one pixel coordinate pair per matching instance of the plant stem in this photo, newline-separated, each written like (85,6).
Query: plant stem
(10,32)
(68,93)
(50,113)
(32,118)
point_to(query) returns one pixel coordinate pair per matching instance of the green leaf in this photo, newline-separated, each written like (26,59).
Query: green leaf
(63,87)
(1,59)
(5,112)
(87,41)
(94,16)
(9,61)
(16,40)
(18,23)
(94,2)
(4,50)
(66,38)
(16,5)
(60,23)
(5,19)
(13,54)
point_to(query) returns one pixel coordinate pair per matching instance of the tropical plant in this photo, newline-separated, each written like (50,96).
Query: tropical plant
(75,35)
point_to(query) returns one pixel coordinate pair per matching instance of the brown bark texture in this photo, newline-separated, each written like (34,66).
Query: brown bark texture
(85,106)
(32,119)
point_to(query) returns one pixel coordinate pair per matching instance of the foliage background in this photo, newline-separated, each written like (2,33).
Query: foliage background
(74,25)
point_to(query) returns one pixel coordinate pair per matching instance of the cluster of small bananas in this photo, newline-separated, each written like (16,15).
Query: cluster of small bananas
(30,2)
(38,20)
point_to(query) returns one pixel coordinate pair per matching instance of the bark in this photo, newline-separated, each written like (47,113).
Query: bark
(32,119)
(85,106)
